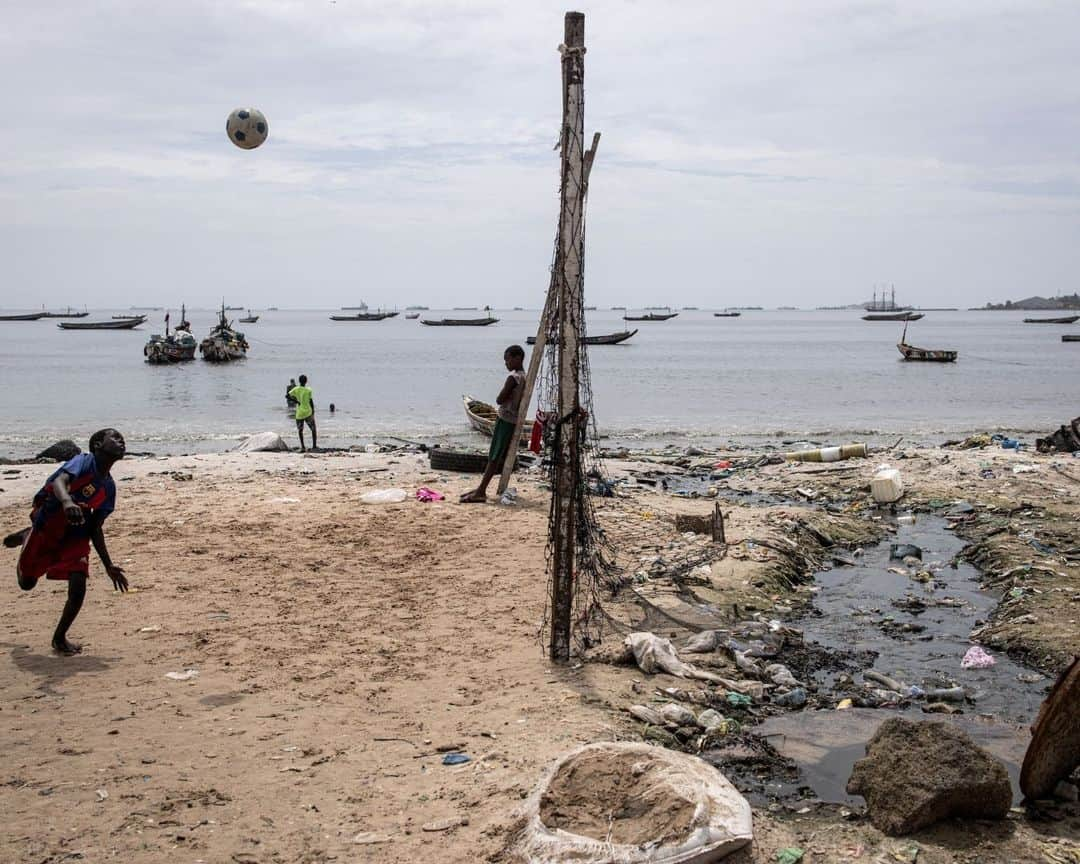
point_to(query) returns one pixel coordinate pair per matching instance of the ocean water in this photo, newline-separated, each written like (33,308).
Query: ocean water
(772,375)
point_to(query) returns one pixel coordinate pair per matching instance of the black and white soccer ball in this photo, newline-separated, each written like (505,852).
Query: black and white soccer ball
(247,128)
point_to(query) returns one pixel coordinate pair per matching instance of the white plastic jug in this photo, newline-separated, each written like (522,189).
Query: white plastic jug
(887,486)
(384,496)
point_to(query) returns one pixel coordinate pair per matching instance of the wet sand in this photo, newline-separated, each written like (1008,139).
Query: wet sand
(341,649)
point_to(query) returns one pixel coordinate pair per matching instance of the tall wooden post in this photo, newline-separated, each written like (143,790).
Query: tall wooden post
(570,310)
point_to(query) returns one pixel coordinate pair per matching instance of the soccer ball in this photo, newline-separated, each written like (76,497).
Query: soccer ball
(247,128)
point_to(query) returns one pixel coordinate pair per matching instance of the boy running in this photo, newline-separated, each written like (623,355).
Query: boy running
(68,514)
(509,401)
(305,412)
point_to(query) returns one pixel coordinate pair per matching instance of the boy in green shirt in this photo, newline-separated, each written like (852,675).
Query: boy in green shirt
(305,412)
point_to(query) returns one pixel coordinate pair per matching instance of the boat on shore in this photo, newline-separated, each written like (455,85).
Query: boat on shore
(364,316)
(250,319)
(223,344)
(606,339)
(482,417)
(175,347)
(122,324)
(459,322)
(1068,319)
(651,316)
(32,316)
(893,316)
(726,314)
(926,355)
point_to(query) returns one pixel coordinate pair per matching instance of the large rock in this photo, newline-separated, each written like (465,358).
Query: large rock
(916,774)
(61,451)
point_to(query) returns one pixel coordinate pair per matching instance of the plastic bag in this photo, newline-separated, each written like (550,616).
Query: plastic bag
(976,658)
(384,496)
(716,818)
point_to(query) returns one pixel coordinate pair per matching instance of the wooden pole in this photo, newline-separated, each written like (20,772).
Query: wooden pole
(568,277)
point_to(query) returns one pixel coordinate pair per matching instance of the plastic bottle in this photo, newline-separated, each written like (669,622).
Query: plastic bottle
(792,699)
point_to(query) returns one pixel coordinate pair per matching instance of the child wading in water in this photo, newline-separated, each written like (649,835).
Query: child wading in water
(509,401)
(67,516)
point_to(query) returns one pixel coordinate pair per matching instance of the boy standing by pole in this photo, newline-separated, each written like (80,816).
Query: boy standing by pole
(305,412)
(508,400)
(68,514)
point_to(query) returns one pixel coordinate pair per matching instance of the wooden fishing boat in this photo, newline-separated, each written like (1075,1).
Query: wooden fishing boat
(482,417)
(250,319)
(68,314)
(459,322)
(606,339)
(412,316)
(927,355)
(1070,337)
(170,348)
(123,324)
(127,317)
(33,316)
(364,316)
(650,316)
(223,343)
(892,316)
(726,314)
(1068,319)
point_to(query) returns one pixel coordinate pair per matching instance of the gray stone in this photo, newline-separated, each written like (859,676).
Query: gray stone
(61,451)
(916,774)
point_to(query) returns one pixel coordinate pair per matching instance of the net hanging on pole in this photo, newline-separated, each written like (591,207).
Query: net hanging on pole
(579,556)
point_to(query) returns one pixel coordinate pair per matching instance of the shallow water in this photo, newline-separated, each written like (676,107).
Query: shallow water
(775,374)
(852,601)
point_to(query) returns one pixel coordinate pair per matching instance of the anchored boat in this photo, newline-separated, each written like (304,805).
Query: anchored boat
(650,316)
(893,316)
(364,316)
(250,319)
(223,343)
(33,316)
(175,347)
(928,355)
(1068,319)
(122,324)
(606,339)
(459,322)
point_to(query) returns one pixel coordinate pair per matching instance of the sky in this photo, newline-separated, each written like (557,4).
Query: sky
(752,153)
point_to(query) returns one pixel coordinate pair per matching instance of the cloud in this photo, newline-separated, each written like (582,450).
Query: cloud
(770,145)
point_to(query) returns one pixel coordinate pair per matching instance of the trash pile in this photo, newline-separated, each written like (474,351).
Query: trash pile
(1065,440)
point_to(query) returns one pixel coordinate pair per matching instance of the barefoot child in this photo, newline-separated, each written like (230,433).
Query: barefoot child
(508,400)
(68,514)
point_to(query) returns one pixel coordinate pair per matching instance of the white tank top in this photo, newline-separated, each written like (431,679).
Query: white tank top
(509,411)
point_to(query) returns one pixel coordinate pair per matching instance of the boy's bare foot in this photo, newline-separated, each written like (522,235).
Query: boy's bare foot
(65,648)
(16,538)
(474,497)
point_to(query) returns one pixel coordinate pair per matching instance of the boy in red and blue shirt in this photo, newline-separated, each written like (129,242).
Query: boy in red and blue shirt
(67,516)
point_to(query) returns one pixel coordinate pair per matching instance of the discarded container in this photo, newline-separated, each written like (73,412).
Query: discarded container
(887,486)
(828,454)
(384,496)
(792,699)
(947,694)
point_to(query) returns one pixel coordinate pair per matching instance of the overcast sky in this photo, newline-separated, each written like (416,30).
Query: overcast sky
(753,152)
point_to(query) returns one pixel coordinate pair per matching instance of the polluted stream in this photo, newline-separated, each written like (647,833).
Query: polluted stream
(913,622)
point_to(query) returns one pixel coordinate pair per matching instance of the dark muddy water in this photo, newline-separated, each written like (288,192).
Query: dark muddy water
(855,611)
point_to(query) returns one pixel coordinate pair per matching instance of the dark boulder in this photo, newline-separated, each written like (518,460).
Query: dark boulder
(61,451)
(916,774)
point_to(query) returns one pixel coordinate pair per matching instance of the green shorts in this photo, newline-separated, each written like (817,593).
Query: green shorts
(500,439)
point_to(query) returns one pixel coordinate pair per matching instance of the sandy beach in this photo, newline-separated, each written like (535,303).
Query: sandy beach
(339,650)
